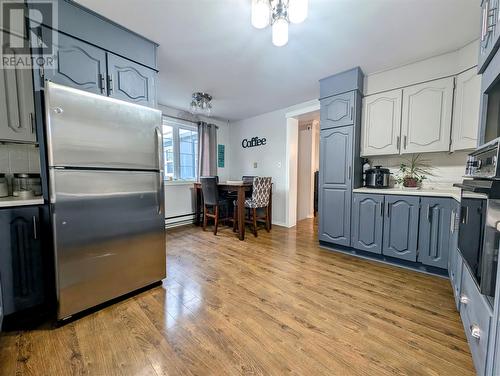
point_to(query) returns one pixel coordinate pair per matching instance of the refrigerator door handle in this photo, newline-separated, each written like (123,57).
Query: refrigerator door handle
(159,148)
(159,153)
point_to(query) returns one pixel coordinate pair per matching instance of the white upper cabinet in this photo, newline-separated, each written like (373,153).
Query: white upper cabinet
(381,123)
(426,117)
(466,111)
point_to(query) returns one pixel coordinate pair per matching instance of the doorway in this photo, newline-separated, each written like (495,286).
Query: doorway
(307,165)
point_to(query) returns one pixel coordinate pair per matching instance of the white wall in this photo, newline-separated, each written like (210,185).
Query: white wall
(270,158)
(179,197)
(425,70)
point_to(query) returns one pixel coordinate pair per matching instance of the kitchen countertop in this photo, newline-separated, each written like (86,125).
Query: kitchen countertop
(450,192)
(7,202)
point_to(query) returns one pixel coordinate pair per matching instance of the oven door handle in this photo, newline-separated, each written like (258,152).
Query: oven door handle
(472,189)
(464,187)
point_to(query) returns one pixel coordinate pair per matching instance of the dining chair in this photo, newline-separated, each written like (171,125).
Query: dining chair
(261,194)
(248,178)
(212,200)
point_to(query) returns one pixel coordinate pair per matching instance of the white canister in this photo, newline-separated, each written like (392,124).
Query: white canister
(4,187)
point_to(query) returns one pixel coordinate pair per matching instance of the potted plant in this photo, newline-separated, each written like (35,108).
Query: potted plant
(413,171)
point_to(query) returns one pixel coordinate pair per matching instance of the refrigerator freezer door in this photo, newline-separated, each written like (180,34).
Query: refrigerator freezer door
(109,235)
(93,131)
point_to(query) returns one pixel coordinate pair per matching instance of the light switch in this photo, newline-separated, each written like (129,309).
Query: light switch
(255,165)
(279,164)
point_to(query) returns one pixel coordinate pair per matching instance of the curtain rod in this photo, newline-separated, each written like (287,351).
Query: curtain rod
(189,121)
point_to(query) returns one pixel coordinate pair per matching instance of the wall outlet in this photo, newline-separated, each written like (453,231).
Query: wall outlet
(255,165)
(279,164)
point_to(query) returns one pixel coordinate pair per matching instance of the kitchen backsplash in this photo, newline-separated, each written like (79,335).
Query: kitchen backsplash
(447,168)
(18,158)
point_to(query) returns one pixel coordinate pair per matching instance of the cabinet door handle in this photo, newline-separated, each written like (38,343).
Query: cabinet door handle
(452,224)
(429,213)
(381,208)
(404,141)
(464,214)
(464,299)
(35,233)
(475,331)
(398,142)
(32,123)
(349,173)
(388,210)
(352,111)
(110,84)
(101,83)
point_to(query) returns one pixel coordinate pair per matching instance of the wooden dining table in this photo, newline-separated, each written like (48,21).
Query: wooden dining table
(240,188)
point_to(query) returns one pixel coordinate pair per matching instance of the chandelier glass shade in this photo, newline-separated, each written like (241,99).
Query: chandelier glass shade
(261,13)
(280,32)
(201,104)
(278,13)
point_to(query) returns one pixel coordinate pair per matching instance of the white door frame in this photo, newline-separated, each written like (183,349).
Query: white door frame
(292,137)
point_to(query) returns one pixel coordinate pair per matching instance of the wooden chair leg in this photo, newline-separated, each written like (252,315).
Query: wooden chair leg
(216,219)
(204,217)
(268,220)
(235,218)
(254,212)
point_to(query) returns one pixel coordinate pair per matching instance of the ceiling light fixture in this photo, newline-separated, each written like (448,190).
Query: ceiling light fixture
(201,104)
(278,13)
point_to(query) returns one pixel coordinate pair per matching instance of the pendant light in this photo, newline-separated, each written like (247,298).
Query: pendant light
(278,13)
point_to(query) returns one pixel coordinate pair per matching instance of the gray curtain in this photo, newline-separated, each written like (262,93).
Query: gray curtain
(207,149)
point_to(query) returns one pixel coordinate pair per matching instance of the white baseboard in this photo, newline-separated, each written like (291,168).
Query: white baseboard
(281,224)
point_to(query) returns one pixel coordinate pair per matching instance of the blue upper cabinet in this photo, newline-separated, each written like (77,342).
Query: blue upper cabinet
(490,32)
(437,226)
(130,81)
(401,227)
(96,55)
(338,111)
(78,64)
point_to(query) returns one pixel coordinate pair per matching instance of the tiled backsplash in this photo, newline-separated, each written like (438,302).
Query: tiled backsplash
(447,168)
(17,158)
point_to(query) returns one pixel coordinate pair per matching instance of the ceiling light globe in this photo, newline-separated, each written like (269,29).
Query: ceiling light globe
(297,10)
(260,13)
(280,32)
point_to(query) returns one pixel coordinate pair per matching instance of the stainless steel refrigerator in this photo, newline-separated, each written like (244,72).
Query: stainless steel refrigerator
(106,189)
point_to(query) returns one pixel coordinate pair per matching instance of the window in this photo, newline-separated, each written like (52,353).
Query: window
(180,147)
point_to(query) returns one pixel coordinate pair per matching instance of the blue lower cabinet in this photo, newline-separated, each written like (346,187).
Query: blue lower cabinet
(367,222)
(335,185)
(437,224)
(476,316)
(496,349)
(1,304)
(401,227)
(21,264)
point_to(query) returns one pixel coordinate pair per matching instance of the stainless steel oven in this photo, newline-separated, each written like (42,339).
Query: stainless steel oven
(479,228)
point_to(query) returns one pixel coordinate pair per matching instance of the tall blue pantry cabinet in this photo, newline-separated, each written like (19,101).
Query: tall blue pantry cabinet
(340,165)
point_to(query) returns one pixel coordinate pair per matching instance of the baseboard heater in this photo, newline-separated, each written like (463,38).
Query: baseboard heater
(179,220)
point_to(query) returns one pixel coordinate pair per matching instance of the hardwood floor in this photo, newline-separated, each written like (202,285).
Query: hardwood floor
(272,305)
